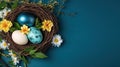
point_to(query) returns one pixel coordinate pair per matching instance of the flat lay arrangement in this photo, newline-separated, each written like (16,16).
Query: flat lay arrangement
(27,29)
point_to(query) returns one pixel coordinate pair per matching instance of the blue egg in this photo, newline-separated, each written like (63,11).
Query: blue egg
(35,35)
(26,18)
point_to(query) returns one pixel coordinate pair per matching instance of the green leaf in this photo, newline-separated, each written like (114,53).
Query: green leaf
(3,4)
(32,52)
(0,39)
(17,25)
(39,55)
(15,4)
(25,65)
(24,60)
(11,64)
(12,29)
(38,24)
(29,49)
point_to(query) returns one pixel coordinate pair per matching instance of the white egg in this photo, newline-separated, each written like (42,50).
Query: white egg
(19,38)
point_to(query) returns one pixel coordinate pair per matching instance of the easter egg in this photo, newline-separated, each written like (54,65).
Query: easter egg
(35,36)
(26,18)
(19,38)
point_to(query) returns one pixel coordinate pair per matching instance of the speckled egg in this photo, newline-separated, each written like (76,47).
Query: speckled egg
(19,38)
(35,35)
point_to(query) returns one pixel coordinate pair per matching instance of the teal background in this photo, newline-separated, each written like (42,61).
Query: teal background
(91,38)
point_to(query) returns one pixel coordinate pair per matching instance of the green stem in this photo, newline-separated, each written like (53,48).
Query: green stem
(5,55)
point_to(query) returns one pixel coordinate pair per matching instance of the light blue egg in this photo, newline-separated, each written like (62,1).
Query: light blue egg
(35,35)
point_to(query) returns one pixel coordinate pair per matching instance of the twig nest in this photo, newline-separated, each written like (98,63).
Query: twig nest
(42,14)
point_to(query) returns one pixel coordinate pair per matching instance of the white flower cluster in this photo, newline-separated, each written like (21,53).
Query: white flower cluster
(4,12)
(14,57)
(4,45)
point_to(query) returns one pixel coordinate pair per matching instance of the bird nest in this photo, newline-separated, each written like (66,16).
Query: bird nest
(40,12)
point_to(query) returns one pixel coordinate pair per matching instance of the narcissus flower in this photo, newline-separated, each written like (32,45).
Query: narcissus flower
(5,25)
(47,25)
(57,40)
(25,29)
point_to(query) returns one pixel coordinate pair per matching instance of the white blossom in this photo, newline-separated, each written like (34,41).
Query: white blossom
(57,40)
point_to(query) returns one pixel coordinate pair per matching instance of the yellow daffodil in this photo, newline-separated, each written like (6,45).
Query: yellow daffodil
(47,25)
(5,25)
(25,29)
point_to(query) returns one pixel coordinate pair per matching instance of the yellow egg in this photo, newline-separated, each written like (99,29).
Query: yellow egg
(19,38)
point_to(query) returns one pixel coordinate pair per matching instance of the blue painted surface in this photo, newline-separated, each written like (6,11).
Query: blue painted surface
(91,38)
